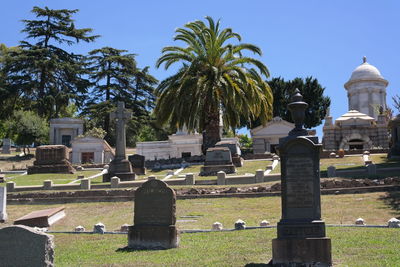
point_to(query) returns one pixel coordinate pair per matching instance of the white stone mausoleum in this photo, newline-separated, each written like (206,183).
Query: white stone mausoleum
(364,126)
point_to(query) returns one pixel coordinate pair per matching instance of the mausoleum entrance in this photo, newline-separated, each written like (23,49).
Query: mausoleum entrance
(356,144)
(87,157)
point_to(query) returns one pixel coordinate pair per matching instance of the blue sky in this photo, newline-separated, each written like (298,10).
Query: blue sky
(323,39)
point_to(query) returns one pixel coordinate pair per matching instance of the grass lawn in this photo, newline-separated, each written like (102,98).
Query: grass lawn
(350,247)
(374,208)
(58,178)
(383,162)
(351,162)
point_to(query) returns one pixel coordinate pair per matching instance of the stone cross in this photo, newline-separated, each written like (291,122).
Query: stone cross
(121,116)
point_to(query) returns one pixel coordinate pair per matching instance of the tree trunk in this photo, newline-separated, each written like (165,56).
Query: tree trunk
(211,133)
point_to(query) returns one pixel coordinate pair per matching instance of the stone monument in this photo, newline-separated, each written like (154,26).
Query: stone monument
(154,218)
(24,246)
(301,237)
(120,166)
(6,149)
(138,164)
(234,147)
(51,159)
(3,204)
(217,159)
(395,142)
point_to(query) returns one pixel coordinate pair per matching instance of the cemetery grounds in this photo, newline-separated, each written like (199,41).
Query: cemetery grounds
(351,246)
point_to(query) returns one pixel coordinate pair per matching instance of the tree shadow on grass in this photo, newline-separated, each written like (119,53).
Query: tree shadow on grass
(392,199)
(258,265)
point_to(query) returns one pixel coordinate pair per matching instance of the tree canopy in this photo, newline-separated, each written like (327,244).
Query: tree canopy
(216,77)
(47,76)
(313,94)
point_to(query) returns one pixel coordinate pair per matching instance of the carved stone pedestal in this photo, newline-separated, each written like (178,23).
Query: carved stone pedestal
(302,252)
(152,237)
(122,169)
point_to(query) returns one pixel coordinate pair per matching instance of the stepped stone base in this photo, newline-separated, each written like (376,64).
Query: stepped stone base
(301,252)
(152,237)
(214,169)
(122,169)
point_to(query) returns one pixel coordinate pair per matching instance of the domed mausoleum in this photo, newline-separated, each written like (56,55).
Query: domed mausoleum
(364,126)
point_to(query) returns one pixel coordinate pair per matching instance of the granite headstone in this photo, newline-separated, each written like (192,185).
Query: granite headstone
(138,164)
(6,149)
(217,159)
(24,246)
(301,237)
(154,217)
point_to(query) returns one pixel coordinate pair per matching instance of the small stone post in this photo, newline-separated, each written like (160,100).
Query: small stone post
(331,171)
(221,176)
(115,182)
(259,176)
(10,186)
(47,184)
(85,184)
(189,179)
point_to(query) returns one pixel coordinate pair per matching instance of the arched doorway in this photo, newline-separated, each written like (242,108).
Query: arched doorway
(356,144)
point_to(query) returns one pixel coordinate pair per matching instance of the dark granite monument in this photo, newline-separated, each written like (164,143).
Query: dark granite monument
(6,148)
(120,166)
(233,146)
(301,231)
(154,218)
(395,142)
(217,159)
(138,164)
(51,159)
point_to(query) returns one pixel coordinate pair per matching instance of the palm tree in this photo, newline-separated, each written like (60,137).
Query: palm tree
(215,77)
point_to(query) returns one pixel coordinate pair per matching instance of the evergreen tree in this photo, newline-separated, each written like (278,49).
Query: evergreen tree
(313,94)
(50,76)
(116,78)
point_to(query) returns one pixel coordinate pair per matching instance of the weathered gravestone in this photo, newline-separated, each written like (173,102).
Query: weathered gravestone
(217,159)
(301,232)
(6,149)
(154,218)
(120,166)
(24,246)
(51,159)
(138,164)
(3,204)
(395,142)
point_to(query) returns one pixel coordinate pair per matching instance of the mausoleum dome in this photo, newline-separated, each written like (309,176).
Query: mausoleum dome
(365,72)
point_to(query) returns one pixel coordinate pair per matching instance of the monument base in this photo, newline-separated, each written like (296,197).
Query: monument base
(56,168)
(144,237)
(139,171)
(214,169)
(121,168)
(301,252)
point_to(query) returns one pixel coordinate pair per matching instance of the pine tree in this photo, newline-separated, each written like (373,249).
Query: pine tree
(50,76)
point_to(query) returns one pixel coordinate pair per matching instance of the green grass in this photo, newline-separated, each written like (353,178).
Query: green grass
(383,162)
(375,208)
(57,178)
(350,247)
